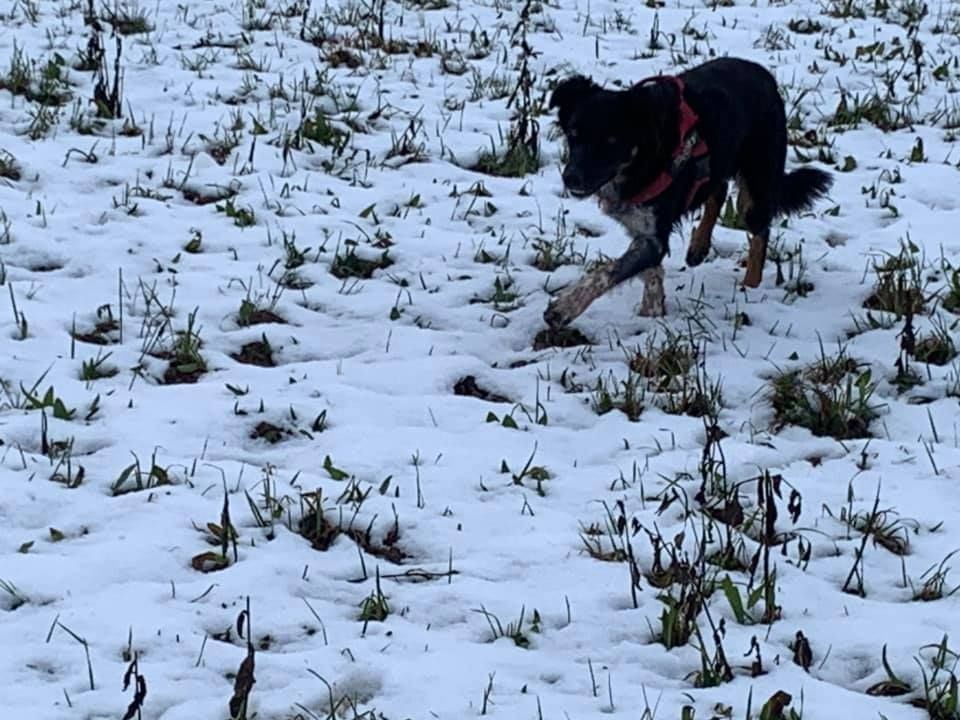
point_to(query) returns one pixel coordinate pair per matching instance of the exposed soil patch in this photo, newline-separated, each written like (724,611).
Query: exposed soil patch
(181,371)
(270,432)
(182,374)
(258,316)
(100,334)
(467,386)
(209,561)
(562,338)
(322,534)
(257,353)
(198,197)
(352,265)
(44,267)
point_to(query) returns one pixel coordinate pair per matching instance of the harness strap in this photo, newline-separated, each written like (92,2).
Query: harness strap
(690,146)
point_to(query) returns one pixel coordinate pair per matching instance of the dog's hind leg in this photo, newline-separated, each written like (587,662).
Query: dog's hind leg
(756,257)
(754,208)
(702,235)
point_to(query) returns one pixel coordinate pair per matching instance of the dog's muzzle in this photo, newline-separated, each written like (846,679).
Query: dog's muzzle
(577,185)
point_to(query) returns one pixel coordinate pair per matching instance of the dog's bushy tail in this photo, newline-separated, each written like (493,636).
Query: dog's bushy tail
(801,188)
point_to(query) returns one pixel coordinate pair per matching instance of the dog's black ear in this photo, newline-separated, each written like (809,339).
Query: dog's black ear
(641,99)
(647,106)
(571,90)
(651,98)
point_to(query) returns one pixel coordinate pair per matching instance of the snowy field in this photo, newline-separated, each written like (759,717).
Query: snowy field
(279,435)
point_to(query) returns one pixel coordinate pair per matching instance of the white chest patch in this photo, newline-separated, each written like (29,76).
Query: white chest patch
(638,220)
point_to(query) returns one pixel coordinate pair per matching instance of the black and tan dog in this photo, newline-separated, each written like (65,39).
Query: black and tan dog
(666,146)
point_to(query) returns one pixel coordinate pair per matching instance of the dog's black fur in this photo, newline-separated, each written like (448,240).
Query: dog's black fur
(620,140)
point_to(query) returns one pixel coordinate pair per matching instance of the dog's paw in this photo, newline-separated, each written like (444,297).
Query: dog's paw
(652,309)
(696,254)
(654,301)
(556,316)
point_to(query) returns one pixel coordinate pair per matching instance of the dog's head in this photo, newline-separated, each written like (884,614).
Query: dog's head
(605,130)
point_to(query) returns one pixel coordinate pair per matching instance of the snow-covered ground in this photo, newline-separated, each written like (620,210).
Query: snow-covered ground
(514,555)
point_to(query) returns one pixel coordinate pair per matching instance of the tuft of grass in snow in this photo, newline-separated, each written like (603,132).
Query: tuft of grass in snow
(831,397)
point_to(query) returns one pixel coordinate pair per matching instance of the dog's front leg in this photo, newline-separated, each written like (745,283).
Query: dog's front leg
(654,302)
(573,301)
(645,253)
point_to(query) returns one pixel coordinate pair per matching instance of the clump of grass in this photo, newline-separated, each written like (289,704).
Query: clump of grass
(186,362)
(804,26)
(539,474)
(832,397)
(516,161)
(293,255)
(50,400)
(627,396)
(375,607)
(349,264)
(892,685)
(941,687)
(521,154)
(937,347)
(221,144)
(96,368)
(133,478)
(242,217)
(317,524)
(43,83)
(252,312)
(504,297)
(107,94)
(899,287)
(663,363)
(845,9)
(603,543)
(906,377)
(694,395)
(674,370)
(9,167)
(18,77)
(11,596)
(934,585)
(127,18)
(514,631)
(551,253)
(951,299)
(874,109)
(317,128)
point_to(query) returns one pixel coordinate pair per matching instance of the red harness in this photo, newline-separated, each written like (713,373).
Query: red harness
(690,146)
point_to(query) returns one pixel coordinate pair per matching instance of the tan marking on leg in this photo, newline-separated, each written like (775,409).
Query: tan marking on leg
(654,302)
(757,255)
(755,260)
(702,235)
